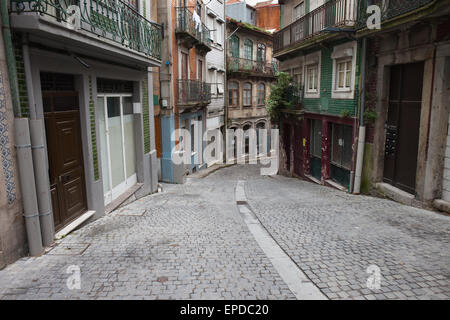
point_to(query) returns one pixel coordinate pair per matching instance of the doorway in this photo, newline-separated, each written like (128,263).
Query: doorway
(402,126)
(64,147)
(287,145)
(315,149)
(117,140)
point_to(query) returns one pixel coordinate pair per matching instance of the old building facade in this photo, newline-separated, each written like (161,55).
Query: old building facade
(373,113)
(317,139)
(407,86)
(83,117)
(250,72)
(191,81)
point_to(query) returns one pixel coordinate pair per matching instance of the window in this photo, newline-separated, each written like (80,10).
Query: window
(297,77)
(234,46)
(247,94)
(341,145)
(299,11)
(219,83)
(261,53)
(312,78)
(248,49)
(261,94)
(233,94)
(219,32)
(211,78)
(343,74)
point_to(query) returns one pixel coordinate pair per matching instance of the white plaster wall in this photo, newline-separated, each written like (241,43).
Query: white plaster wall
(215,61)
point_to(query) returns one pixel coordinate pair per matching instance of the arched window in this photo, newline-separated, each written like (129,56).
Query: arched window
(261,94)
(234,46)
(233,94)
(247,94)
(261,53)
(248,49)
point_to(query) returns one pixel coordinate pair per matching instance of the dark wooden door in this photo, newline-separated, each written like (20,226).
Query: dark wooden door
(298,150)
(67,185)
(402,126)
(287,145)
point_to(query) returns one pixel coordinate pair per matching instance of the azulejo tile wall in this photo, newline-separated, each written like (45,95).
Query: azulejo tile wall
(5,148)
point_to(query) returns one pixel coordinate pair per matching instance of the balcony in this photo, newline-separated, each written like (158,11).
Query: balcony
(334,13)
(193,93)
(248,67)
(191,32)
(390,9)
(110,21)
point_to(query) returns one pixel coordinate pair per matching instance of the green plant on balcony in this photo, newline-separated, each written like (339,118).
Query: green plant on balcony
(283,95)
(370,116)
(345,113)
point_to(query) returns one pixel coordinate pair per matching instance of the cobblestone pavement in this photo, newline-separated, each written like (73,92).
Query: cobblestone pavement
(190,242)
(334,237)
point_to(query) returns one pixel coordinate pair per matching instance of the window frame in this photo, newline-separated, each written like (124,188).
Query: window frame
(234,50)
(315,79)
(249,94)
(260,101)
(294,12)
(347,74)
(234,94)
(346,52)
(248,44)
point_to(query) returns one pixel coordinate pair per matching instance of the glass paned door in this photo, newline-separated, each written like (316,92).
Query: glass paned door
(118,150)
(128,130)
(115,140)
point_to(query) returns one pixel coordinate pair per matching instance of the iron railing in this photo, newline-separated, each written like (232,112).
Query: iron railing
(193,92)
(250,66)
(294,96)
(389,9)
(185,23)
(334,13)
(111,19)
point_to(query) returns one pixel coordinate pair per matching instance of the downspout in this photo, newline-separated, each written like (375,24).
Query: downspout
(362,127)
(39,155)
(23,145)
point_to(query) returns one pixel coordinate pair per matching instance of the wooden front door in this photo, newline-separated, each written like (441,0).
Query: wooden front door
(402,126)
(287,145)
(298,150)
(65,155)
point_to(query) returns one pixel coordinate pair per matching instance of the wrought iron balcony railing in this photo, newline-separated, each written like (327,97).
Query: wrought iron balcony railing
(193,92)
(338,13)
(389,9)
(111,19)
(261,68)
(187,24)
(295,96)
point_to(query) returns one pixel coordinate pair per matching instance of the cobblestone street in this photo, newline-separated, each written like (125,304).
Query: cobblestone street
(191,242)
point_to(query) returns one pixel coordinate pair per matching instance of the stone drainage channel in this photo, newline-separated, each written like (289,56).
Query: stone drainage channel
(300,285)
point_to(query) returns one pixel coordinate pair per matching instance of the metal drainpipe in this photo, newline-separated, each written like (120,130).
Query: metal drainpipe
(39,155)
(362,128)
(23,145)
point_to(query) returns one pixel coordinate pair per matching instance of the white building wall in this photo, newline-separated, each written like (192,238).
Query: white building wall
(215,63)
